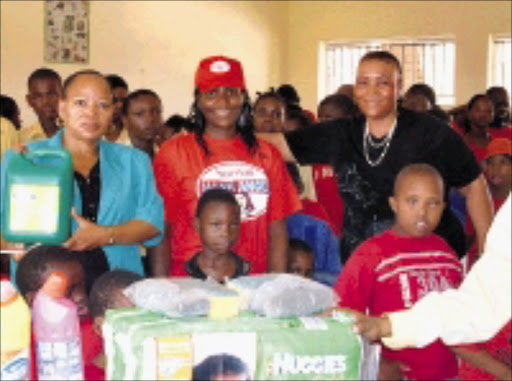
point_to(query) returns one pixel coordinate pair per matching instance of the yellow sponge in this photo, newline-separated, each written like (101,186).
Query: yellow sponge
(223,307)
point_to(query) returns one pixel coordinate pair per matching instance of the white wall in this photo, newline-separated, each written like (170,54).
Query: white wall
(153,44)
(471,22)
(158,44)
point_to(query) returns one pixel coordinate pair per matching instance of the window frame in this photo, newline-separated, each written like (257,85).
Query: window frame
(325,89)
(492,71)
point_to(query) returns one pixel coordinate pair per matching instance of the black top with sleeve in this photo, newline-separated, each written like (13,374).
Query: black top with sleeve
(94,262)
(243,267)
(418,138)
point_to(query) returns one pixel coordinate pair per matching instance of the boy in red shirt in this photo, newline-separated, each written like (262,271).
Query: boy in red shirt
(106,293)
(395,269)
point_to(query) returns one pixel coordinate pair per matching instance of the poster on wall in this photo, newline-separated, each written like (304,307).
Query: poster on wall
(66,31)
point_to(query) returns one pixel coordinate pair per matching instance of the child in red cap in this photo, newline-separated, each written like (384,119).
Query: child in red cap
(498,169)
(223,152)
(497,164)
(491,360)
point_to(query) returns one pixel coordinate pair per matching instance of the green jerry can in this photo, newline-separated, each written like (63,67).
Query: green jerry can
(38,196)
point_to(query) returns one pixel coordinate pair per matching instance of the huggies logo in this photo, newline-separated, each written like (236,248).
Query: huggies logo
(220,67)
(287,363)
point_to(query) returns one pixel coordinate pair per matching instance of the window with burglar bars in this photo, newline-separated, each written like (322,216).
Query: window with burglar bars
(430,61)
(501,63)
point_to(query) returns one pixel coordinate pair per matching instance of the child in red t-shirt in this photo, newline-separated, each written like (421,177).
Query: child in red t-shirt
(106,293)
(491,360)
(498,173)
(393,270)
(33,270)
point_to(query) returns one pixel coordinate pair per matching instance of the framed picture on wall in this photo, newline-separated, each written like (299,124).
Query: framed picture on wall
(66,31)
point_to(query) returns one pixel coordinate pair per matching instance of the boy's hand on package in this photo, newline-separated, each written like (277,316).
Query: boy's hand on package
(88,235)
(372,328)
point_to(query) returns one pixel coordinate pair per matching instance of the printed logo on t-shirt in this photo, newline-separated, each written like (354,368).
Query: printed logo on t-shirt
(247,182)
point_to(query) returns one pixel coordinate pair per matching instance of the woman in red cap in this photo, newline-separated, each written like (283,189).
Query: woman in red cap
(224,153)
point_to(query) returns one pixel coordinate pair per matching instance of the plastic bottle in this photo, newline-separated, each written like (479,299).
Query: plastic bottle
(38,195)
(14,334)
(57,332)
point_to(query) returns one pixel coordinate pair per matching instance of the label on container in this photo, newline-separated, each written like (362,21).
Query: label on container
(15,365)
(60,360)
(174,358)
(34,208)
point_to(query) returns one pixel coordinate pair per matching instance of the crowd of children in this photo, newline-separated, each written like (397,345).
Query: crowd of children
(382,171)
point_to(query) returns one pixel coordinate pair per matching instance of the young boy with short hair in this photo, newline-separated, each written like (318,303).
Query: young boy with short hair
(311,225)
(44,92)
(142,119)
(300,258)
(395,269)
(119,89)
(107,293)
(498,169)
(218,222)
(33,270)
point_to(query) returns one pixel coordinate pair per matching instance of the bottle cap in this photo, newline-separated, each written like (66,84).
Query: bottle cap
(56,285)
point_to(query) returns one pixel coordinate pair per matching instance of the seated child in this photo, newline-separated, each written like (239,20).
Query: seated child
(308,226)
(33,270)
(218,222)
(300,258)
(39,262)
(106,293)
(395,269)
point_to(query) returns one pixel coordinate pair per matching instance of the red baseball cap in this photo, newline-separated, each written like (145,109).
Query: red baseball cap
(219,71)
(499,146)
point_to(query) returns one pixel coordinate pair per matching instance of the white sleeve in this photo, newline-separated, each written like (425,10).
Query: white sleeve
(475,311)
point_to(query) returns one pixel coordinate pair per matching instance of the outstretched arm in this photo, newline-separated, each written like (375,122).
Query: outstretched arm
(279,141)
(485,361)
(479,206)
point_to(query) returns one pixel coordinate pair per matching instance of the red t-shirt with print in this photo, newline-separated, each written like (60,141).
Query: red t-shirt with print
(327,194)
(390,272)
(259,181)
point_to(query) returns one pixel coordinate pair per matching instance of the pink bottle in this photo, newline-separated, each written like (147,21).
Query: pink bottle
(57,332)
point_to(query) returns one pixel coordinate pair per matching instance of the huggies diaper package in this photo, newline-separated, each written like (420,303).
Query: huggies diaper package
(144,345)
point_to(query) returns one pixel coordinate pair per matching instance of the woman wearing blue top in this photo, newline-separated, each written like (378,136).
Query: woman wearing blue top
(115,202)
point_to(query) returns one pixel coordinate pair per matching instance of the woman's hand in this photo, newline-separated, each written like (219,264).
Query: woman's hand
(88,235)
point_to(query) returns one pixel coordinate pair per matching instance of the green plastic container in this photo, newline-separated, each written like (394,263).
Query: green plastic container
(38,197)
